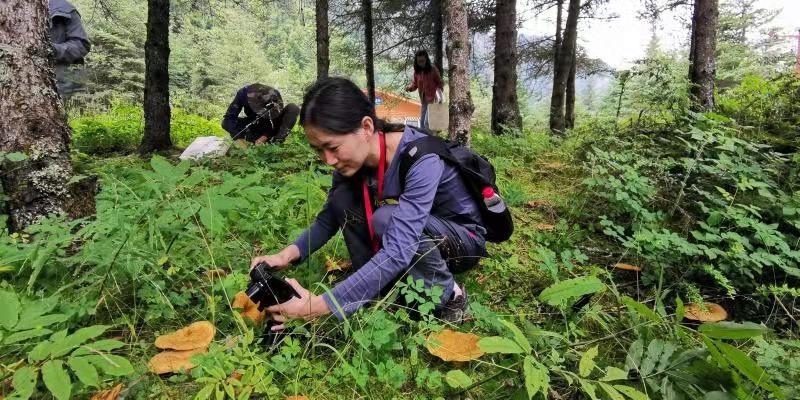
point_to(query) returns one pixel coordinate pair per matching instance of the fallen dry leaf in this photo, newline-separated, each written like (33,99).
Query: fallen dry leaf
(194,336)
(454,346)
(110,394)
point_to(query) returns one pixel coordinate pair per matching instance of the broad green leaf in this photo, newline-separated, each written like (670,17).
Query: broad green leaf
(634,357)
(111,364)
(41,321)
(57,379)
(84,371)
(632,393)
(613,394)
(589,388)
(98,347)
(586,365)
(67,344)
(717,395)
(37,308)
(680,310)
(732,330)
(640,309)
(25,335)
(458,379)
(24,382)
(519,337)
(16,157)
(40,351)
(42,256)
(537,377)
(651,357)
(9,309)
(498,344)
(614,374)
(560,292)
(165,169)
(747,367)
(205,392)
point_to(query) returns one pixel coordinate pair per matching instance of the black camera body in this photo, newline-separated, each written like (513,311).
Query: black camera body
(266,290)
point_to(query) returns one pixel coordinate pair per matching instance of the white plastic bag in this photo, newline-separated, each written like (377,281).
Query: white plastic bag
(206,146)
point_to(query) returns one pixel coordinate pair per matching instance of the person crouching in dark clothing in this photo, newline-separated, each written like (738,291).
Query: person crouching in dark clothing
(265,119)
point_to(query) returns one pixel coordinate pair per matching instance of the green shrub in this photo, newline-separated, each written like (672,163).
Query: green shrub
(121,129)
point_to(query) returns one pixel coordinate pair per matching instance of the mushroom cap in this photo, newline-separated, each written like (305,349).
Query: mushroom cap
(110,394)
(627,267)
(194,336)
(249,308)
(454,346)
(301,397)
(545,227)
(173,361)
(216,273)
(711,313)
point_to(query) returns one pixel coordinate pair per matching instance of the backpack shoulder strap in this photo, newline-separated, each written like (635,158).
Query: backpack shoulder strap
(421,147)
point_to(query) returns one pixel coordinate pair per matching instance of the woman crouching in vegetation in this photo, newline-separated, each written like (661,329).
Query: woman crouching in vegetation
(414,226)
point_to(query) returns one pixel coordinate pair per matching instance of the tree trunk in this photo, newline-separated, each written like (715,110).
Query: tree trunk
(366,9)
(156,75)
(458,52)
(438,34)
(702,69)
(569,110)
(557,39)
(562,68)
(505,108)
(33,121)
(323,39)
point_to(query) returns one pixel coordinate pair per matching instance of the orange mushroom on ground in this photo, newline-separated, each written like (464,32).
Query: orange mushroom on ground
(454,346)
(173,361)
(249,308)
(545,227)
(110,394)
(706,312)
(194,336)
(627,267)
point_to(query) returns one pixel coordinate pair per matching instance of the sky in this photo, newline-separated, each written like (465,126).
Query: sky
(622,40)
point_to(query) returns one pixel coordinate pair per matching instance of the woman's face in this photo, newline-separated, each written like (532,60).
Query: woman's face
(348,152)
(421,61)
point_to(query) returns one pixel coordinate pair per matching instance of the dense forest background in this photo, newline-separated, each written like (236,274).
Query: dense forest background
(657,249)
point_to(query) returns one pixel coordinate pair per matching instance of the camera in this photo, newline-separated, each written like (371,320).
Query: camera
(266,289)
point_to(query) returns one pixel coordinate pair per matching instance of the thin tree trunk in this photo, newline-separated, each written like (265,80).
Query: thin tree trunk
(562,67)
(33,122)
(156,75)
(569,109)
(366,9)
(702,70)
(323,39)
(505,108)
(438,34)
(458,52)
(557,39)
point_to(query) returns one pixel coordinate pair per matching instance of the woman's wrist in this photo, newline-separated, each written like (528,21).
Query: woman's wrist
(318,306)
(290,253)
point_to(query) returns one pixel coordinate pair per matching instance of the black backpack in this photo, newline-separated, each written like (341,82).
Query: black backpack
(476,171)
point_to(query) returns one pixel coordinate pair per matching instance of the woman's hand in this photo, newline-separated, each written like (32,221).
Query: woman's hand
(307,307)
(278,261)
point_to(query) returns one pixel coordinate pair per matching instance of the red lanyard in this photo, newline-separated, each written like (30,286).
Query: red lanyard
(367,201)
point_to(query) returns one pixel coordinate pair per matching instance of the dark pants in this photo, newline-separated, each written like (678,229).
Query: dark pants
(276,130)
(445,247)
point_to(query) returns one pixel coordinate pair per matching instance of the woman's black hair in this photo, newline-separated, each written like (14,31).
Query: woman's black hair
(427,67)
(337,105)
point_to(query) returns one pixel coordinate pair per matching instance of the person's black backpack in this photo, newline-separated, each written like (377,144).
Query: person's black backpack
(476,172)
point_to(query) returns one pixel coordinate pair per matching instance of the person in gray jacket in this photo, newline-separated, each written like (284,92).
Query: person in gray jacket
(70,43)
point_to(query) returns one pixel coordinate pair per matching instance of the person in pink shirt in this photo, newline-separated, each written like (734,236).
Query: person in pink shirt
(428,81)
